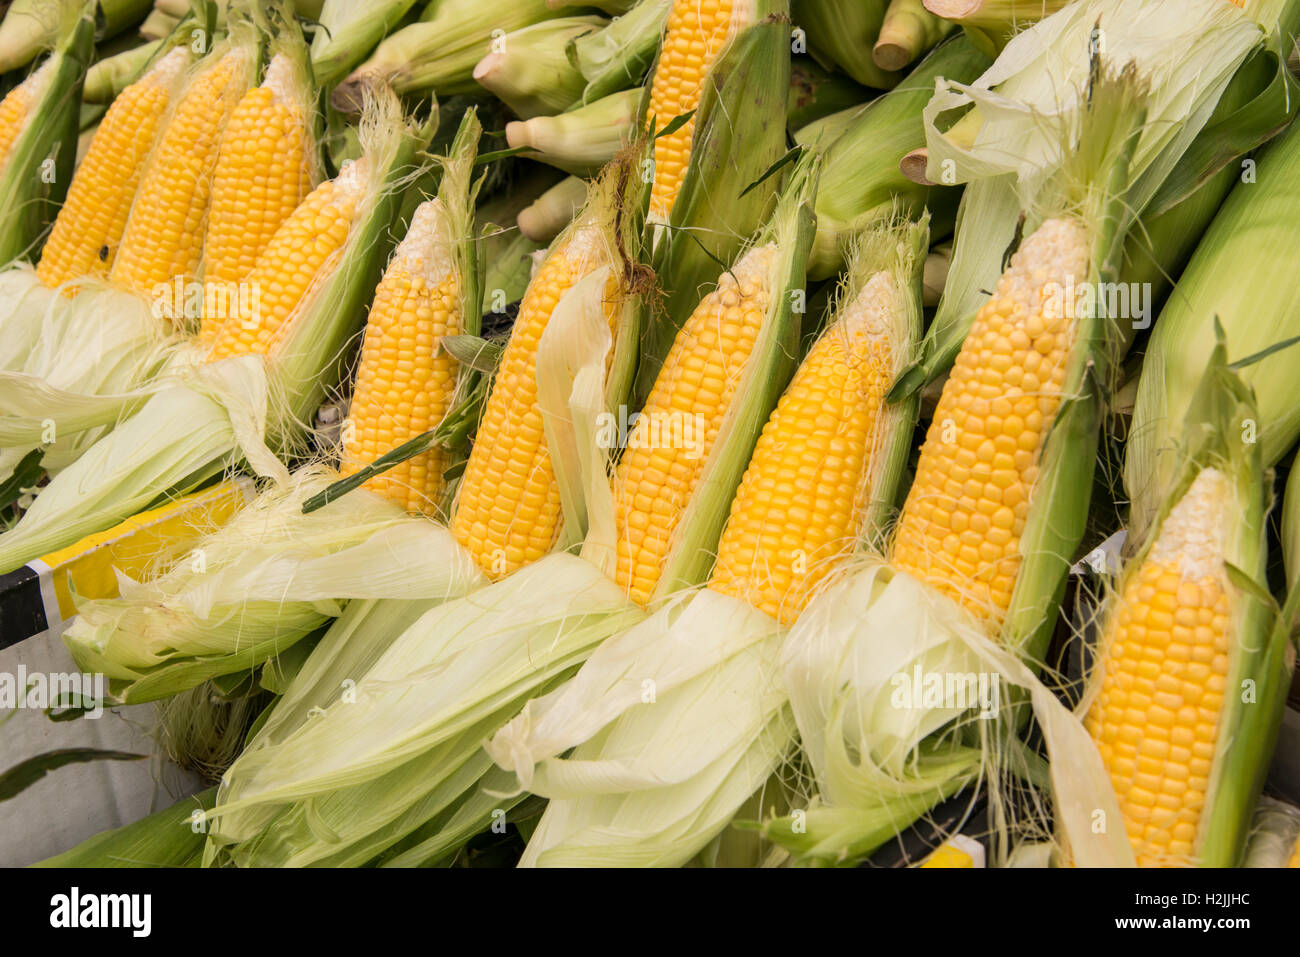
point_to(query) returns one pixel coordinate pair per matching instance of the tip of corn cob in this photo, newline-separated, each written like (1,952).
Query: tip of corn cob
(426,251)
(1193,537)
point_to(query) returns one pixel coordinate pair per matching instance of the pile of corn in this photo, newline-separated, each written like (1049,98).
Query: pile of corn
(691,497)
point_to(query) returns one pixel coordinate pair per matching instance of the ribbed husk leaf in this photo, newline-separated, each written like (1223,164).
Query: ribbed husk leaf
(419,713)
(251,589)
(841,34)
(619,55)
(1027,99)
(1231,279)
(349,31)
(166,838)
(530,70)
(815,92)
(39,166)
(1291,528)
(1273,835)
(439,53)
(1212,435)
(861,181)
(739,135)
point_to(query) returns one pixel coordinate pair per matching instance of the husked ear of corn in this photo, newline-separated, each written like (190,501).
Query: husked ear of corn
(163,238)
(89,226)
(1193,657)
(1225,284)
(267,162)
(406,380)
(508,510)
(824,473)
(224,412)
(738,135)
(1008,143)
(38,132)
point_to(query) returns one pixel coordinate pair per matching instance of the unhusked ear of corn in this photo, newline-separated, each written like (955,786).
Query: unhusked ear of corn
(89,226)
(824,474)
(1223,283)
(1005,147)
(166,838)
(38,133)
(686,451)
(841,33)
(618,55)
(350,31)
(226,412)
(738,135)
(1193,657)
(861,180)
(267,162)
(991,23)
(163,239)
(248,591)
(529,69)
(406,380)
(582,139)
(508,510)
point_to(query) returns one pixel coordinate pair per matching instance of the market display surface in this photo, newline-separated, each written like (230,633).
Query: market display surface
(726,433)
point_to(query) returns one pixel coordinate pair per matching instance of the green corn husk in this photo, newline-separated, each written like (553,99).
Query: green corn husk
(1003,161)
(861,180)
(1260,657)
(38,167)
(529,69)
(1291,529)
(1274,834)
(1223,283)
(716,210)
(172,837)
(439,53)
(907,31)
(157,25)
(349,32)
(879,763)
(582,140)
(247,592)
(618,56)
(114,16)
(816,93)
(991,24)
(543,219)
(110,76)
(677,722)
(840,35)
(224,412)
(30,27)
(507,252)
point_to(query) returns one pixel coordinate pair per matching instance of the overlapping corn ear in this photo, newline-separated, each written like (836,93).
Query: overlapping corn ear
(529,70)
(439,52)
(617,57)
(265,376)
(1275,836)
(406,380)
(840,32)
(906,33)
(656,778)
(349,32)
(973,578)
(736,136)
(1260,213)
(248,591)
(1004,147)
(511,508)
(1194,657)
(861,179)
(38,133)
(583,139)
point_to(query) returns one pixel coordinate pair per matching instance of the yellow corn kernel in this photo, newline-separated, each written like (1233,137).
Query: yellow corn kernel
(263,171)
(674,433)
(696,35)
(89,226)
(405,381)
(961,524)
(164,232)
(1161,791)
(16,108)
(799,507)
(301,249)
(508,506)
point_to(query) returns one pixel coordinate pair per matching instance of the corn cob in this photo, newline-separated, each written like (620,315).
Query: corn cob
(164,232)
(406,379)
(264,168)
(86,234)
